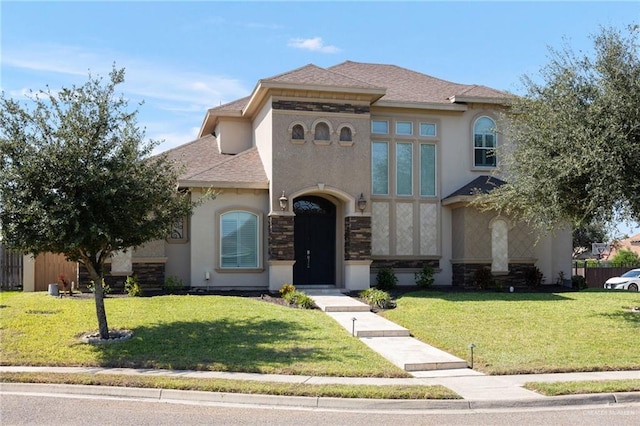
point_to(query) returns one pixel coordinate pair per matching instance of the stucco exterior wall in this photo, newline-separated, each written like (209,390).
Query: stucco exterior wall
(205,242)
(234,135)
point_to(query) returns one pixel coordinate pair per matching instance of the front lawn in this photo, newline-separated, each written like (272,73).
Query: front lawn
(220,333)
(517,333)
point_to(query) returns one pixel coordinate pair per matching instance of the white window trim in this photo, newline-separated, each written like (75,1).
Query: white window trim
(474,148)
(259,217)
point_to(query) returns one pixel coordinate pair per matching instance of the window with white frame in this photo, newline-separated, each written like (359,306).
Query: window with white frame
(380,127)
(404,169)
(404,128)
(428,129)
(380,168)
(239,239)
(484,142)
(427,170)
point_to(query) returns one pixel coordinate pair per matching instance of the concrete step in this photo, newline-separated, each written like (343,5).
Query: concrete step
(413,355)
(337,302)
(368,324)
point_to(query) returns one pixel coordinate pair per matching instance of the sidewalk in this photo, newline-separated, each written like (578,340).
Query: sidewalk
(477,390)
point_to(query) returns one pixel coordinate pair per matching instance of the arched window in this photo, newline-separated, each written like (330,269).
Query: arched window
(297,132)
(239,240)
(322,132)
(345,134)
(484,142)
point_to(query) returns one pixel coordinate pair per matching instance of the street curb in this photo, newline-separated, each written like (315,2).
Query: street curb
(169,395)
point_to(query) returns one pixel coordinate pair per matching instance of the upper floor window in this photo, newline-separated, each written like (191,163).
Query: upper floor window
(380,168)
(404,128)
(322,132)
(484,142)
(380,127)
(404,169)
(345,134)
(297,132)
(239,240)
(428,129)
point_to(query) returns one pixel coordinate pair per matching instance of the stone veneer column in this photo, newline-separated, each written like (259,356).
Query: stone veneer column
(357,252)
(281,254)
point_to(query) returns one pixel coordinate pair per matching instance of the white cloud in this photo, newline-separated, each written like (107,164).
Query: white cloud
(314,44)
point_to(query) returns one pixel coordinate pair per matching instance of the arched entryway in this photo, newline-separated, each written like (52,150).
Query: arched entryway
(314,241)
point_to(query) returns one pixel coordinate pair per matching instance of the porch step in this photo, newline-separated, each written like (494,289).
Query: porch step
(413,355)
(334,301)
(368,324)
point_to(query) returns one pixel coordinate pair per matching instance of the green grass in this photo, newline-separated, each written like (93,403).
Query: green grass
(517,333)
(238,386)
(583,387)
(219,333)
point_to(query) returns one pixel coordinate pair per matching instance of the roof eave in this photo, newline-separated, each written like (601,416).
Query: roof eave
(211,120)
(186,183)
(478,100)
(458,199)
(422,105)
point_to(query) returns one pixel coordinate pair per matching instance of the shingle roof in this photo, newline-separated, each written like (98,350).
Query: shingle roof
(203,162)
(314,75)
(404,85)
(480,185)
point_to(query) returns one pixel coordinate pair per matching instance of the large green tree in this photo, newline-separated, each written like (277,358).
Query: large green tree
(572,141)
(77,177)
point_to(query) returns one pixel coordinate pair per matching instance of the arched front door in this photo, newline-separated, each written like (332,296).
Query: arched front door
(314,241)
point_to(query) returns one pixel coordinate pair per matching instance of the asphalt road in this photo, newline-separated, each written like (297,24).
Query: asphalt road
(34,409)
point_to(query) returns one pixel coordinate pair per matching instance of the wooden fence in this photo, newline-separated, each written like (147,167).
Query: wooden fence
(10,269)
(596,275)
(50,266)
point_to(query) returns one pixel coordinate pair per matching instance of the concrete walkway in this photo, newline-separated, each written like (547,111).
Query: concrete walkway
(383,336)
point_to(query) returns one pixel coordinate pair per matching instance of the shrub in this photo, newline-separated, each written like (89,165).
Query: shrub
(172,283)
(578,282)
(533,277)
(377,298)
(106,289)
(424,277)
(132,287)
(299,299)
(483,278)
(386,279)
(286,288)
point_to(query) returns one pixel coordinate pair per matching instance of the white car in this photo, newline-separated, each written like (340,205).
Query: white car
(630,280)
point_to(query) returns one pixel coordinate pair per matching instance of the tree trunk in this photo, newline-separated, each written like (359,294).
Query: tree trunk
(101,313)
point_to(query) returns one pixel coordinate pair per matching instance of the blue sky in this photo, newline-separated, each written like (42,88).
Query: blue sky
(184,57)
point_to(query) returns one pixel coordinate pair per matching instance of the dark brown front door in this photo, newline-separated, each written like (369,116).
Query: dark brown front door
(314,241)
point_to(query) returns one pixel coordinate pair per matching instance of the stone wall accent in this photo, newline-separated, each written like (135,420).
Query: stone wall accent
(281,238)
(323,107)
(150,276)
(463,274)
(398,264)
(357,238)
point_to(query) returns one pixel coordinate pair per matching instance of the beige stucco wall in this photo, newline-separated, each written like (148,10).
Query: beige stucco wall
(151,249)
(299,166)
(205,240)
(233,135)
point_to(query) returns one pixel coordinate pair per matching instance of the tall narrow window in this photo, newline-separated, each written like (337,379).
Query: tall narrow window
(427,170)
(404,169)
(239,240)
(380,168)
(484,142)
(322,132)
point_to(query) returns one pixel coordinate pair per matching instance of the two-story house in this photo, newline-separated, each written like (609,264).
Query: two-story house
(325,175)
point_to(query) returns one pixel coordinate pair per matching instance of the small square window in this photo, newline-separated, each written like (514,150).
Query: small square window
(380,127)
(427,129)
(404,128)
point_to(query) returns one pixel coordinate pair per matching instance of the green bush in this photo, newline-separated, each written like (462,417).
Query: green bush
(172,284)
(578,282)
(424,277)
(377,298)
(132,287)
(299,299)
(386,279)
(286,288)
(483,278)
(106,289)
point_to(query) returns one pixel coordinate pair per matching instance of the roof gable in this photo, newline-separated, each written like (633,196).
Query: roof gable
(480,185)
